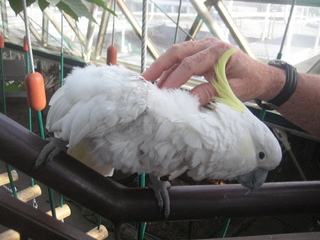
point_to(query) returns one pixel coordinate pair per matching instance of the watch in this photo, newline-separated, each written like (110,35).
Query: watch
(288,88)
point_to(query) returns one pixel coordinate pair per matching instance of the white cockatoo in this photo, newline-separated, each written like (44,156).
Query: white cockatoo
(113,118)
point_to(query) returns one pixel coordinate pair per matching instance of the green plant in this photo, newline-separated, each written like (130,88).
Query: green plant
(74,8)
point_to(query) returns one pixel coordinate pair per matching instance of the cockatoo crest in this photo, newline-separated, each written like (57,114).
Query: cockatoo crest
(226,95)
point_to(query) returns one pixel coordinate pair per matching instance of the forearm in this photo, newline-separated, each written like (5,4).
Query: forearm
(302,107)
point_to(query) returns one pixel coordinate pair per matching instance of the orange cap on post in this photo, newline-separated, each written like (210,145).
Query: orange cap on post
(25,44)
(36,93)
(112,55)
(1,41)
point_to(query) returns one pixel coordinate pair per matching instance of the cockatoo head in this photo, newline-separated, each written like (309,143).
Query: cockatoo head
(261,150)
(257,148)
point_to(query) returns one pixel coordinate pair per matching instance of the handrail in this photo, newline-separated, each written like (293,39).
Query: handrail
(30,222)
(19,147)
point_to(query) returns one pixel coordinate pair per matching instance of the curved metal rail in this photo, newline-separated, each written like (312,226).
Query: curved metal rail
(19,147)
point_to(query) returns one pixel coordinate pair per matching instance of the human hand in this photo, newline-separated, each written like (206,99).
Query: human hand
(247,77)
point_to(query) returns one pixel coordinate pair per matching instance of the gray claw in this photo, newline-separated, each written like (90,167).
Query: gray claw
(160,189)
(49,151)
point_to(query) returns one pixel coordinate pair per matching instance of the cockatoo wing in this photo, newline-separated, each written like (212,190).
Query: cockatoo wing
(112,116)
(92,99)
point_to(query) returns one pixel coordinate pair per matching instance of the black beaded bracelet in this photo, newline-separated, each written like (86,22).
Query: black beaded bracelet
(288,88)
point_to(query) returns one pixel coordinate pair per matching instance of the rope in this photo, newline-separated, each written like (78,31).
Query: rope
(3,92)
(13,187)
(225,229)
(61,84)
(142,177)
(51,200)
(114,23)
(26,22)
(62,55)
(157,6)
(70,44)
(178,22)
(30,68)
(144,35)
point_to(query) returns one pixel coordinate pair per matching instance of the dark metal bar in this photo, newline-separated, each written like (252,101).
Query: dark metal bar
(287,236)
(235,32)
(103,30)
(136,27)
(20,148)
(310,3)
(197,24)
(33,223)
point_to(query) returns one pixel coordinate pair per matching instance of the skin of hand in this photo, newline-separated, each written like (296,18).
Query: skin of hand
(248,78)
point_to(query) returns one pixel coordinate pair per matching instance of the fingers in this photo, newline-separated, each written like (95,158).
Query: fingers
(182,61)
(204,92)
(176,54)
(177,65)
(246,76)
(195,64)
(165,75)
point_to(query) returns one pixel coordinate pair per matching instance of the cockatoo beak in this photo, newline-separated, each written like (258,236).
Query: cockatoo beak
(254,179)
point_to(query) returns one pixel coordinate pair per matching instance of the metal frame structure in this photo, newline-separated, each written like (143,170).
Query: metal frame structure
(86,39)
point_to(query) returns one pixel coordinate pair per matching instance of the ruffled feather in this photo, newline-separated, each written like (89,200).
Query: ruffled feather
(134,126)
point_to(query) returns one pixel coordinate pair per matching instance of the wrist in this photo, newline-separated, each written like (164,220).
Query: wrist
(276,98)
(275,81)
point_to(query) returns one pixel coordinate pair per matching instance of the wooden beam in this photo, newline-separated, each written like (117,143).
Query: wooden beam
(33,223)
(29,193)
(4,178)
(99,233)
(61,212)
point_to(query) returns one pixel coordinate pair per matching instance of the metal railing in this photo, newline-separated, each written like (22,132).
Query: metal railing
(120,204)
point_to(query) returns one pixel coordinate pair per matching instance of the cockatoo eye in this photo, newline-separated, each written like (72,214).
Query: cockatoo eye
(261,155)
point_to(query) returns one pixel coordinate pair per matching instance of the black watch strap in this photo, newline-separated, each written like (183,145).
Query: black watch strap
(288,88)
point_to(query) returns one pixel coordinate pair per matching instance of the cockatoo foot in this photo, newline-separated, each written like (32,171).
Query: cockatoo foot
(160,189)
(52,149)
